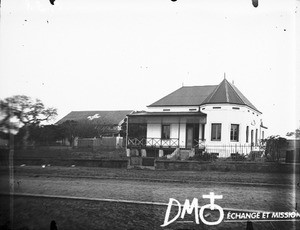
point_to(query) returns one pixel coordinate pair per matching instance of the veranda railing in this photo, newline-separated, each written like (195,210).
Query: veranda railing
(153,142)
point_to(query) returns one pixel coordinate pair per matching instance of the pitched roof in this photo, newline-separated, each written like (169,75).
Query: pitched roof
(228,93)
(210,94)
(106,117)
(186,95)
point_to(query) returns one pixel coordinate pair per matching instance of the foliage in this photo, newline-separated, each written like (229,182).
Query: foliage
(69,128)
(86,129)
(8,118)
(123,130)
(204,156)
(45,135)
(29,111)
(296,134)
(273,145)
(21,111)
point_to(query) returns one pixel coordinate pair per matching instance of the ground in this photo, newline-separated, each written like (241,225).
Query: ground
(246,191)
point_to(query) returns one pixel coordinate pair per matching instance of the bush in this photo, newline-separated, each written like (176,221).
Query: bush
(204,156)
(273,145)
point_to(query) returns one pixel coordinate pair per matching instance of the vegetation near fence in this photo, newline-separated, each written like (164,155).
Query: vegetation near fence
(227,150)
(101,143)
(70,153)
(226,166)
(273,146)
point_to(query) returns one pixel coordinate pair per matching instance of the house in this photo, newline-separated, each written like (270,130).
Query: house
(95,128)
(215,118)
(109,122)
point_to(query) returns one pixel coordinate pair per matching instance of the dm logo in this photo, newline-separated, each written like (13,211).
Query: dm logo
(188,208)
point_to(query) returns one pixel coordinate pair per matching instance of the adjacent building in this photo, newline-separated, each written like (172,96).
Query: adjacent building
(107,127)
(109,123)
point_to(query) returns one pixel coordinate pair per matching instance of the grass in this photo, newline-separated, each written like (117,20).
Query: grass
(71,153)
(270,178)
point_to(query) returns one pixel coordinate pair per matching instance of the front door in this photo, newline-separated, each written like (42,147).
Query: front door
(192,135)
(189,136)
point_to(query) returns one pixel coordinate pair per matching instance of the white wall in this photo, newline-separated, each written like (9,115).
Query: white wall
(226,116)
(182,135)
(153,130)
(174,109)
(176,131)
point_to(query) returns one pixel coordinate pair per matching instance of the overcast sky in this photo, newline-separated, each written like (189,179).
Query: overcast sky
(126,54)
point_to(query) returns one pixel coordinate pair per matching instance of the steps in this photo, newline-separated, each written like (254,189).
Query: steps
(182,154)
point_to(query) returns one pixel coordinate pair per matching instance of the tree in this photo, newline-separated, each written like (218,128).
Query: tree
(273,146)
(69,128)
(8,121)
(45,134)
(123,130)
(296,134)
(27,112)
(88,128)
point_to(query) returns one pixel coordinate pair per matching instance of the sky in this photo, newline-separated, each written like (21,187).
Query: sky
(126,54)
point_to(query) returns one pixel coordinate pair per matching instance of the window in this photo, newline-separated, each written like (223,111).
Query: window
(137,130)
(234,132)
(216,132)
(237,108)
(166,110)
(165,132)
(247,134)
(216,107)
(192,109)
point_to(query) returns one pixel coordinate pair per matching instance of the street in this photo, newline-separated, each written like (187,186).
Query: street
(104,197)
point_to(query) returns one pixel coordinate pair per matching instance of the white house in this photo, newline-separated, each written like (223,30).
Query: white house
(217,118)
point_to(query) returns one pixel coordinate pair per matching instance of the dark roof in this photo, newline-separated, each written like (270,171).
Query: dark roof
(210,94)
(228,93)
(106,117)
(186,95)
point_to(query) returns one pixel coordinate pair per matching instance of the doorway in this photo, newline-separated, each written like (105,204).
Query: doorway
(192,135)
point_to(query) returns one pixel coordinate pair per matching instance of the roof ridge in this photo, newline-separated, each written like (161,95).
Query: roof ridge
(213,92)
(234,90)
(226,91)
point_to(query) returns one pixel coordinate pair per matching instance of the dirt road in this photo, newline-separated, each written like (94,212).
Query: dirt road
(136,186)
